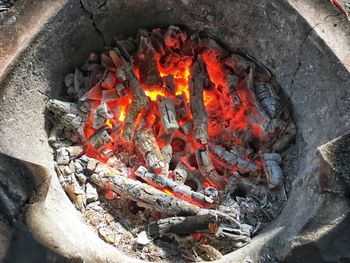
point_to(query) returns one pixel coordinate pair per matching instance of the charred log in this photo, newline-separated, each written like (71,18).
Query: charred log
(233,159)
(146,144)
(168,115)
(272,169)
(207,168)
(196,84)
(125,72)
(147,63)
(181,225)
(181,191)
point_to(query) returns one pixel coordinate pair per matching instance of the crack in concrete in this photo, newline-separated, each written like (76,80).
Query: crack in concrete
(92,18)
(301,48)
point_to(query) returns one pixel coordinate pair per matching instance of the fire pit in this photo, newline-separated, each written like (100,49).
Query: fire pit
(172,122)
(170,144)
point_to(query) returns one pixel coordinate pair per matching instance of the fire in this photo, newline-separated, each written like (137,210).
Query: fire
(122,114)
(154,94)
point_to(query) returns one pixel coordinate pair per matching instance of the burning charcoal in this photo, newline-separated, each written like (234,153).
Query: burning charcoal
(62,156)
(200,117)
(268,98)
(181,225)
(147,63)
(187,127)
(181,107)
(272,169)
(167,152)
(80,83)
(127,46)
(174,37)
(101,114)
(212,193)
(207,168)
(238,64)
(169,60)
(100,138)
(108,81)
(147,145)
(121,90)
(162,182)
(180,173)
(231,85)
(125,72)
(231,159)
(107,62)
(170,86)
(157,41)
(68,114)
(168,115)
(211,53)
(91,193)
(146,196)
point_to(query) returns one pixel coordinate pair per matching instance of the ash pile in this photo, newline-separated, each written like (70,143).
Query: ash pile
(169,145)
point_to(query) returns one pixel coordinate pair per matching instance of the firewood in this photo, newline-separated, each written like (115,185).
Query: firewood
(238,64)
(199,114)
(268,98)
(168,115)
(272,169)
(181,107)
(181,225)
(181,191)
(167,152)
(68,114)
(180,173)
(233,159)
(146,196)
(101,114)
(174,37)
(169,84)
(126,73)
(231,91)
(100,138)
(207,168)
(147,63)
(146,144)
(157,41)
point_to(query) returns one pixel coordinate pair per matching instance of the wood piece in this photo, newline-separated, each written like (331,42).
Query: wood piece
(181,225)
(238,64)
(174,37)
(207,168)
(268,98)
(168,115)
(199,114)
(100,138)
(146,196)
(157,41)
(167,152)
(180,191)
(146,144)
(101,114)
(272,169)
(181,107)
(147,62)
(126,73)
(68,114)
(233,159)
(169,84)
(80,83)
(180,173)
(231,91)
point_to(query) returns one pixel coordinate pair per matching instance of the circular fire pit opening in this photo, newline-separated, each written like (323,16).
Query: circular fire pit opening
(267,46)
(165,98)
